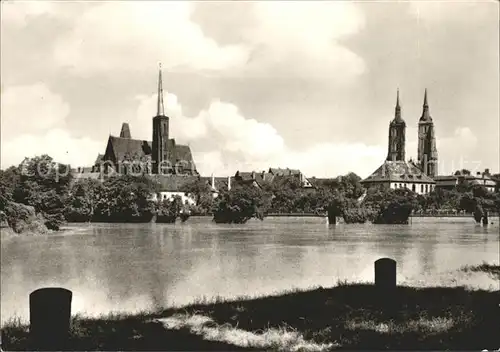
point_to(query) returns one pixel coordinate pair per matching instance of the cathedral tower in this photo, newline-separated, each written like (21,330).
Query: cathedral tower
(397,130)
(427,151)
(160,133)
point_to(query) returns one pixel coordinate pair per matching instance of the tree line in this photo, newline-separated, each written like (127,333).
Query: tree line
(47,189)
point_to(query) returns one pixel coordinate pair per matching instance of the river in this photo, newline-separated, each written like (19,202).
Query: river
(131,267)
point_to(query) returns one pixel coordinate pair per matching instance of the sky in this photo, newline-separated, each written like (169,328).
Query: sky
(252,85)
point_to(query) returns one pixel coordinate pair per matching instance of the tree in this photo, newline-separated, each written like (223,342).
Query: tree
(44,184)
(9,181)
(124,199)
(390,206)
(202,192)
(168,210)
(240,204)
(81,201)
(462,172)
(479,202)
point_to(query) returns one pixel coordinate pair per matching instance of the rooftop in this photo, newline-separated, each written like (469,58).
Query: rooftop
(398,171)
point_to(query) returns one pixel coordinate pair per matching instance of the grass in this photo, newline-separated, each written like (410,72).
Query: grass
(493,270)
(347,317)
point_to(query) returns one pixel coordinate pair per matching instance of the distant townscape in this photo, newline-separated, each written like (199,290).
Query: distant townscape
(173,166)
(137,180)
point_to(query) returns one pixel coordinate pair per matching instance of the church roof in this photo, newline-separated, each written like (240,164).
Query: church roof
(120,149)
(128,148)
(398,171)
(98,159)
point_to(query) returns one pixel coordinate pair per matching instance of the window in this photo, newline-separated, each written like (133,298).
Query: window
(421,188)
(413,187)
(426,188)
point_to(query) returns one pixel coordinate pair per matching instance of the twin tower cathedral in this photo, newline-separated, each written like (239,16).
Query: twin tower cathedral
(427,153)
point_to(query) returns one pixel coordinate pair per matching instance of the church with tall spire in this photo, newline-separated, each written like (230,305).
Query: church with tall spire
(397,135)
(161,156)
(427,151)
(396,172)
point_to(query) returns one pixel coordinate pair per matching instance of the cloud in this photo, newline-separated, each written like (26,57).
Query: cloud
(33,123)
(31,108)
(58,143)
(454,151)
(286,39)
(19,13)
(224,141)
(139,35)
(303,39)
(450,10)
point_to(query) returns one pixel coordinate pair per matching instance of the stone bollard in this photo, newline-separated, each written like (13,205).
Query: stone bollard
(50,316)
(385,274)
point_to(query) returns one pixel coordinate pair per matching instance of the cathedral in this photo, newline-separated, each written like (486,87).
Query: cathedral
(396,172)
(161,156)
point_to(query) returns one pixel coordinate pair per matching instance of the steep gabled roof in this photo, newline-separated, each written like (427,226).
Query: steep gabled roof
(120,149)
(128,148)
(98,159)
(398,171)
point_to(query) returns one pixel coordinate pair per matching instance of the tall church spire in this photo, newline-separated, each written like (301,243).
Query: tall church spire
(160,111)
(425,112)
(397,135)
(160,146)
(397,115)
(427,151)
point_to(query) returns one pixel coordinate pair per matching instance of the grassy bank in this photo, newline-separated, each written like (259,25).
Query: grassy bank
(347,316)
(493,270)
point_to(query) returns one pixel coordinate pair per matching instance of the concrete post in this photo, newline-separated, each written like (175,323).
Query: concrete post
(385,274)
(50,315)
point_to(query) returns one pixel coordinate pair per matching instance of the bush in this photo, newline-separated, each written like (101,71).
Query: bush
(23,218)
(390,206)
(240,204)
(169,210)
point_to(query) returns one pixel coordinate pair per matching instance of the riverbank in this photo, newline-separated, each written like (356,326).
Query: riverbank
(347,317)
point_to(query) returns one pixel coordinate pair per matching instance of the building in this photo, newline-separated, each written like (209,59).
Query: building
(397,135)
(396,172)
(427,151)
(259,179)
(173,186)
(161,156)
(169,163)
(217,184)
(450,182)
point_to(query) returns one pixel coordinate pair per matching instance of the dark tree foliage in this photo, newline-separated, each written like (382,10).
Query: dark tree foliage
(480,202)
(9,181)
(41,183)
(464,172)
(440,199)
(390,206)
(289,197)
(203,195)
(169,210)
(240,204)
(124,199)
(81,201)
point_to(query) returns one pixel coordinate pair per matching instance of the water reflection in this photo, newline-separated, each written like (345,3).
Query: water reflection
(133,267)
